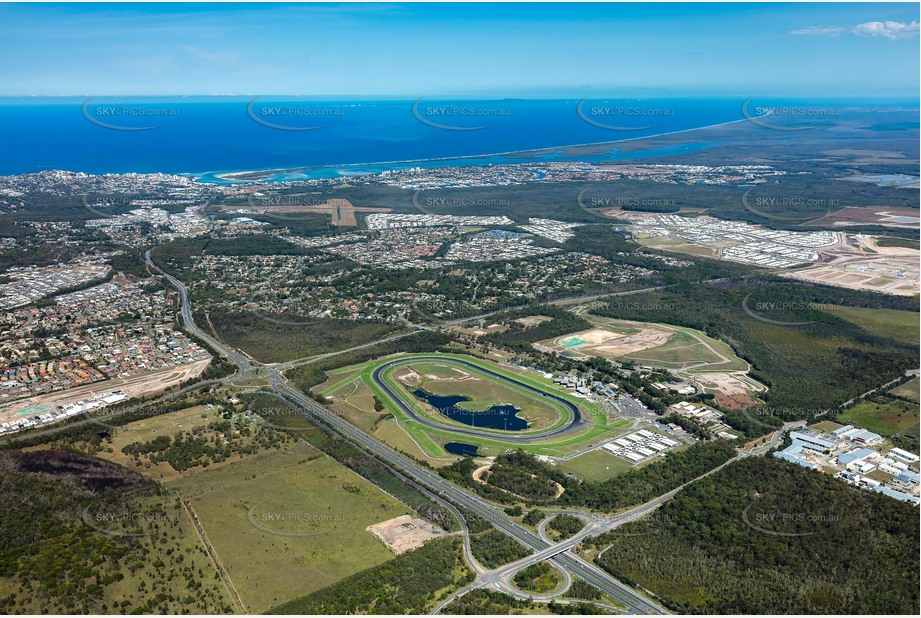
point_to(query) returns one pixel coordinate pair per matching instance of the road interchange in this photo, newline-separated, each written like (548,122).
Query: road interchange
(559,554)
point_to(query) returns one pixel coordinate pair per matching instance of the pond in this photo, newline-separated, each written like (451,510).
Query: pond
(462,449)
(494,417)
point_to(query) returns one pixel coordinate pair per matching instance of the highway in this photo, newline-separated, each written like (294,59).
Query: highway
(558,553)
(574,423)
(543,550)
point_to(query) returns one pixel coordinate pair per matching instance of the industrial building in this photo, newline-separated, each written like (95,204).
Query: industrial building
(903,455)
(814,440)
(855,434)
(639,445)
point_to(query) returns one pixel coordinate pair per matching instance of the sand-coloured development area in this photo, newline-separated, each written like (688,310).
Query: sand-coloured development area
(606,343)
(889,274)
(404,533)
(142,384)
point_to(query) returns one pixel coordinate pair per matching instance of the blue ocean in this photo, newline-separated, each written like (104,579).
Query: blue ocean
(205,136)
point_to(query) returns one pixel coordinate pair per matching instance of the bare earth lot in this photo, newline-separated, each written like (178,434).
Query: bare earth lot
(405,532)
(889,274)
(606,343)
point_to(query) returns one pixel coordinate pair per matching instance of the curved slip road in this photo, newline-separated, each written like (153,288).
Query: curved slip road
(635,601)
(576,421)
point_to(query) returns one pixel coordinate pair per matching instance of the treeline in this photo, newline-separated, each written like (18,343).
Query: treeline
(460,473)
(539,577)
(580,589)
(277,339)
(566,525)
(519,337)
(53,562)
(196,449)
(640,485)
(178,253)
(764,536)
(131,262)
(405,585)
(516,473)
(631,488)
(492,549)
(481,602)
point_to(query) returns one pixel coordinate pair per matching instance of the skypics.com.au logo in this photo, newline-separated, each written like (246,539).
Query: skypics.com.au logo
(785,522)
(116,520)
(106,206)
(613,116)
(292,523)
(424,204)
(777,207)
(449,116)
(293,116)
(127,116)
(786,117)
(760,310)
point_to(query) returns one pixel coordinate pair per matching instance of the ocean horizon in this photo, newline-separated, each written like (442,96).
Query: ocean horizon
(208,136)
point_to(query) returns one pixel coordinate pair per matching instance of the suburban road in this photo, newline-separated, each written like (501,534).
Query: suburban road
(558,554)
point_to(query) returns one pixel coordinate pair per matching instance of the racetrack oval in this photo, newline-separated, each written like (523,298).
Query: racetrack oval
(575,421)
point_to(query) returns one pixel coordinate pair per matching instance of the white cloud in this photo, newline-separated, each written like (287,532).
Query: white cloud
(891,30)
(887,29)
(818,31)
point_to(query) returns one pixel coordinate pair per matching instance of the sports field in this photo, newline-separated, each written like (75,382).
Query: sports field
(596,465)
(286,523)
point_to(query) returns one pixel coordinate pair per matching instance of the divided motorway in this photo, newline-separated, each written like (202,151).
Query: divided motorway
(559,554)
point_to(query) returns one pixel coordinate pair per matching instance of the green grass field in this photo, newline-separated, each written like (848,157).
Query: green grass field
(681,351)
(899,325)
(287,523)
(826,426)
(597,465)
(884,416)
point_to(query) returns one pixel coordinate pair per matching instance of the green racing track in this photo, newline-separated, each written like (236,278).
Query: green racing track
(572,418)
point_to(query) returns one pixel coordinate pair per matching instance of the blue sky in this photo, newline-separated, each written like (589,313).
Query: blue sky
(528,50)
